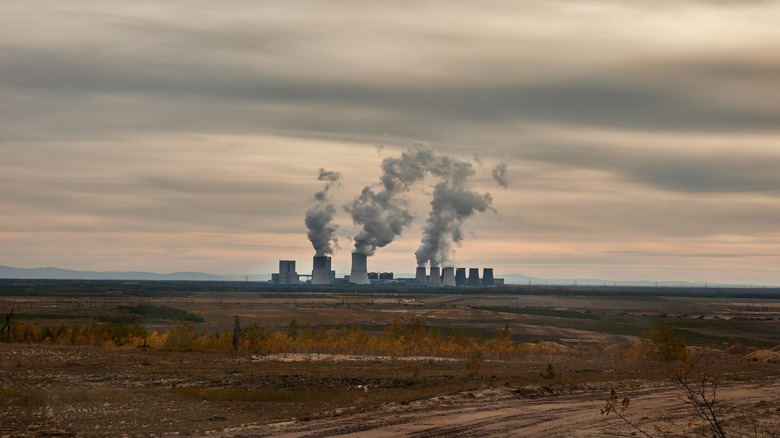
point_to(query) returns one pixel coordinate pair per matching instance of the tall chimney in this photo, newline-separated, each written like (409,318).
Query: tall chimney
(321,271)
(474,277)
(359,274)
(460,277)
(448,276)
(487,277)
(420,276)
(435,278)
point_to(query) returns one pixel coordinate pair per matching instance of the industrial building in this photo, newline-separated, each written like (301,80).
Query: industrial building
(359,273)
(287,274)
(322,274)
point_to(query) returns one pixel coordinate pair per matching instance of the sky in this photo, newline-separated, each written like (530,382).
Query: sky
(641,140)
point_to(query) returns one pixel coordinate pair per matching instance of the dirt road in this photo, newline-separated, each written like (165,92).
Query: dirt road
(752,409)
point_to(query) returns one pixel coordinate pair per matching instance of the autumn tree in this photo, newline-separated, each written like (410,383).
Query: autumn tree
(662,343)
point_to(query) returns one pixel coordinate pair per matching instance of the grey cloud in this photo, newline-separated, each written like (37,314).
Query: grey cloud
(192,184)
(681,171)
(621,218)
(688,255)
(205,90)
(500,172)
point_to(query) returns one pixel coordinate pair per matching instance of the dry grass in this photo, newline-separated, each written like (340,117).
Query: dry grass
(98,391)
(115,391)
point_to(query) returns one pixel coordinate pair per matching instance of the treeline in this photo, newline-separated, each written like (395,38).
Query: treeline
(397,339)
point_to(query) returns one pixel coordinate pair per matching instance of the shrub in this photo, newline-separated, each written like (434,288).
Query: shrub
(181,336)
(662,343)
(475,363)
(162,312)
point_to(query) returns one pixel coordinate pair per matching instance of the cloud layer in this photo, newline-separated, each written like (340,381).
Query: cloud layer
(642,138)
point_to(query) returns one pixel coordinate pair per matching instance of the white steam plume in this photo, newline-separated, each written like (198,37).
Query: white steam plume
(453,202)
(383,211)
(322,232)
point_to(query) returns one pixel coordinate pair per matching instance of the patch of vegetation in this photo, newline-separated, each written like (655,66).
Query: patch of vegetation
(595,322)
(28,316)
(567,314)
(150,311)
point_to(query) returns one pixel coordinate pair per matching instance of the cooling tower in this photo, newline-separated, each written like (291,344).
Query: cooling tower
(474,277)
(359,274)
(448,276)
(460,277)
(321,271)
(435,278)
(420,276)
(487,277)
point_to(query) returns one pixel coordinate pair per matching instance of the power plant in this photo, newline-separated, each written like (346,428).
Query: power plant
(322,274)
(487,277)
(359,274)
(321,270)
(448,276)
(420,277)
(460,277)
(287,274)
(435,278)
(382,212)
(474,277)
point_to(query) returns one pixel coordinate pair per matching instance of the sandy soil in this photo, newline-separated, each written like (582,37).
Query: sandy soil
(541,411)
(91,391)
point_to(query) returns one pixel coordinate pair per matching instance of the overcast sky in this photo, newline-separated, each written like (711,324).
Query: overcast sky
(643,138)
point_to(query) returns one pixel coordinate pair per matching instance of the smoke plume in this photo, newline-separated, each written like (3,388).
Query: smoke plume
(499,172)
(453,202)
(383,211)
(322,232)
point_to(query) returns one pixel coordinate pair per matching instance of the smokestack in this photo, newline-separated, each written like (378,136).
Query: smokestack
(321,270)
(460,277)
(474,277)
(420,276)
(487,277)
(435,278)
(448,276)
(359,274)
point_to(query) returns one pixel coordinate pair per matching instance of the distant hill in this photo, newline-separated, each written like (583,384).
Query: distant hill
(522,279)
(517,279)
(65,274)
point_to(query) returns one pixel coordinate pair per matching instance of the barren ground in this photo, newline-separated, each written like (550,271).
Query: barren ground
(99,391)
(538,410)
(53,390)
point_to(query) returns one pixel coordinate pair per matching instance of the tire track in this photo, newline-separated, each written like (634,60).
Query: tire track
(508,412)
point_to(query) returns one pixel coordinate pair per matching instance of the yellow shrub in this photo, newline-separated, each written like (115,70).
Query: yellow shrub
(156,340)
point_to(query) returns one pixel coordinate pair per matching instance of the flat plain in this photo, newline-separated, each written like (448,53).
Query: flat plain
(567,350)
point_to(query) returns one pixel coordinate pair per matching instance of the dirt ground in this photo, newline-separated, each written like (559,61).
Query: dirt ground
(536,410)
(82,391)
